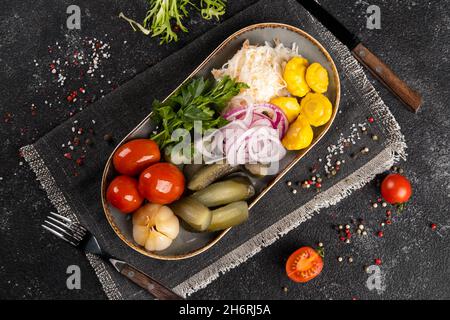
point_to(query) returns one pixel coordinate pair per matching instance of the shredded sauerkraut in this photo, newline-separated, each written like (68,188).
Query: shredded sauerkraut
(261,68)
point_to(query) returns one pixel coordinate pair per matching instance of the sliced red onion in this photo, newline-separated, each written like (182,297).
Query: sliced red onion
(253,113)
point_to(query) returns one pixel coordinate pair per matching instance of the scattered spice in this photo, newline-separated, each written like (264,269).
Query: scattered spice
(68,155)
(433,226)
(108,137)
(80,161)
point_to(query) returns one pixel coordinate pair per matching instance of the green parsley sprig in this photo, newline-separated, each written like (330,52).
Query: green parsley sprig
(198,99)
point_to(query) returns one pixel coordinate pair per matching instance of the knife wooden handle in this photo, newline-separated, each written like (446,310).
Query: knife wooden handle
(156,289)
(383,73)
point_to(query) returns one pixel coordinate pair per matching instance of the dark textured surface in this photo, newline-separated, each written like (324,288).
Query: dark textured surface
(123,108)
(413,39)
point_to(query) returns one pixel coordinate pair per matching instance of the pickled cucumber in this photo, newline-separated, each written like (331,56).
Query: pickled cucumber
(229,216)
(208,174)
(225,192)
(193,212)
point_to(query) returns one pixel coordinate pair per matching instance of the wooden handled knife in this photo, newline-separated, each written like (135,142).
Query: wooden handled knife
(377,67)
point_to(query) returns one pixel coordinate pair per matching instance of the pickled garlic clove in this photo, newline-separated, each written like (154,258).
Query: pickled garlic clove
(169,226)
(145,215)
(140,234)
(156,241)
(155,226)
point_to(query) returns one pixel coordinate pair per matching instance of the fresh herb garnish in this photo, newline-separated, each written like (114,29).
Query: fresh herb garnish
(199,99)
(165,16)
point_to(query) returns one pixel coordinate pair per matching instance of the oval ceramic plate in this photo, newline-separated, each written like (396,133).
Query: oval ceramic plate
(189,244)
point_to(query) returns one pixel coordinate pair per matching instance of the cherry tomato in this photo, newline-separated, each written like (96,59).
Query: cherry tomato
(123,194)
(136,155)
(161,183)
(304,265)
(396,189)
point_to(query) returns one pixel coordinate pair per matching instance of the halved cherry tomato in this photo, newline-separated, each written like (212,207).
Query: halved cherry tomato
(304,265)
(396,189)
(136,155)
(161,183)
(123,194)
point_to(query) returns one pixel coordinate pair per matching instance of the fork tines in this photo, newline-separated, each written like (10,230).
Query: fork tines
(64,228)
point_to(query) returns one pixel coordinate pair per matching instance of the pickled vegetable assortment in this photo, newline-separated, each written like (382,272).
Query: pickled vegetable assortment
(263,103)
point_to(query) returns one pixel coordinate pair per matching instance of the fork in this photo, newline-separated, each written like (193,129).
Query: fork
(81,238)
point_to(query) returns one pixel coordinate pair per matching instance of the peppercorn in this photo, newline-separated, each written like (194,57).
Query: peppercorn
(108,137)
(378,261)
(380,234)
(80,161)
(433,226)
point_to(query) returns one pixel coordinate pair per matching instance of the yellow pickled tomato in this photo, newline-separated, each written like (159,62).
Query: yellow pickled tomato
(289,106)
(299,135)
(295,76)
(317,78)
(316,108)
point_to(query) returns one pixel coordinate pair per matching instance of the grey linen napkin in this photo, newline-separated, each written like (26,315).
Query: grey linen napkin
(75,191)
